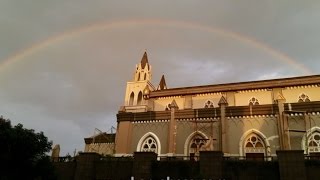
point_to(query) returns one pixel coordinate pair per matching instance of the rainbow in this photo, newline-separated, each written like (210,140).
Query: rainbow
(180,24)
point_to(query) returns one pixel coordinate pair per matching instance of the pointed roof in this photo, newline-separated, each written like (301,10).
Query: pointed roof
(144,60)
(162,84)
(280,97)
(173,105)
(222,100)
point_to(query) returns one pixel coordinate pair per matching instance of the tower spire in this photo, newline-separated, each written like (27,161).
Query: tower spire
(138,90)
(144,60)
(143,69)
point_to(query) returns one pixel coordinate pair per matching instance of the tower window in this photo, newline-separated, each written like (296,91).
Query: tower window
(139,101)
(131,99)
(138,77)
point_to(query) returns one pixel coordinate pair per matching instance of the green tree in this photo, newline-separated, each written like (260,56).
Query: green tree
(23,153)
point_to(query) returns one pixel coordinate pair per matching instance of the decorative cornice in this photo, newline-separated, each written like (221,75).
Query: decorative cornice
(209,94)
(253,90)
(305,86)
(170,97)
(150,121)
(213,114)
(199,120)
(254,116)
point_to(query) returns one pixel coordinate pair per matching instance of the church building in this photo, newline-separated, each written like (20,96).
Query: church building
(252,119)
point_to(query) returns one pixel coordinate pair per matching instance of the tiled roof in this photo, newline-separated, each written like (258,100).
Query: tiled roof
(239,86)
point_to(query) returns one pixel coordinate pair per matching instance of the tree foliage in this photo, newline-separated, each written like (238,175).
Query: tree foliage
(23,152)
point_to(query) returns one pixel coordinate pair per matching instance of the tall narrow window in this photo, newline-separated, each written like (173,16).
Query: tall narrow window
(139,101)
(138,77)
(253,101)
(208,104)
(131,99)
(303,98)
(145,76)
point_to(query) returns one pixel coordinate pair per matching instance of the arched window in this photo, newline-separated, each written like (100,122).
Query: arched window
(314,142)
(254,147)
(149,145)
(208,104)
(138,77)
(303,98)
(131,99)
(139,101)
(196,143)
(254,144)
(145,76)
(253,101)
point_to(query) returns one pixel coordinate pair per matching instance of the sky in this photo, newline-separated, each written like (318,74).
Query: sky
(64,64)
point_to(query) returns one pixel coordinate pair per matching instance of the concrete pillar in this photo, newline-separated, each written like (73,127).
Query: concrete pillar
(223,142)
(291,165)
(211,165)
(85,168)
(142,165)
(282,124)
(123,137)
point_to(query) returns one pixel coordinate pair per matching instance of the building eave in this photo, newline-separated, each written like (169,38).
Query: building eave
(239,86)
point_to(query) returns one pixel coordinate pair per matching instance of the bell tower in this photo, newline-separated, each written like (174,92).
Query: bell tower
(134,101)
(143,70)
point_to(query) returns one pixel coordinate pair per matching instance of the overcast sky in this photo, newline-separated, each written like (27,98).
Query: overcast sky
(64,64)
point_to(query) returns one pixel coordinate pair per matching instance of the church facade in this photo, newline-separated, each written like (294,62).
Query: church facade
(250,119)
